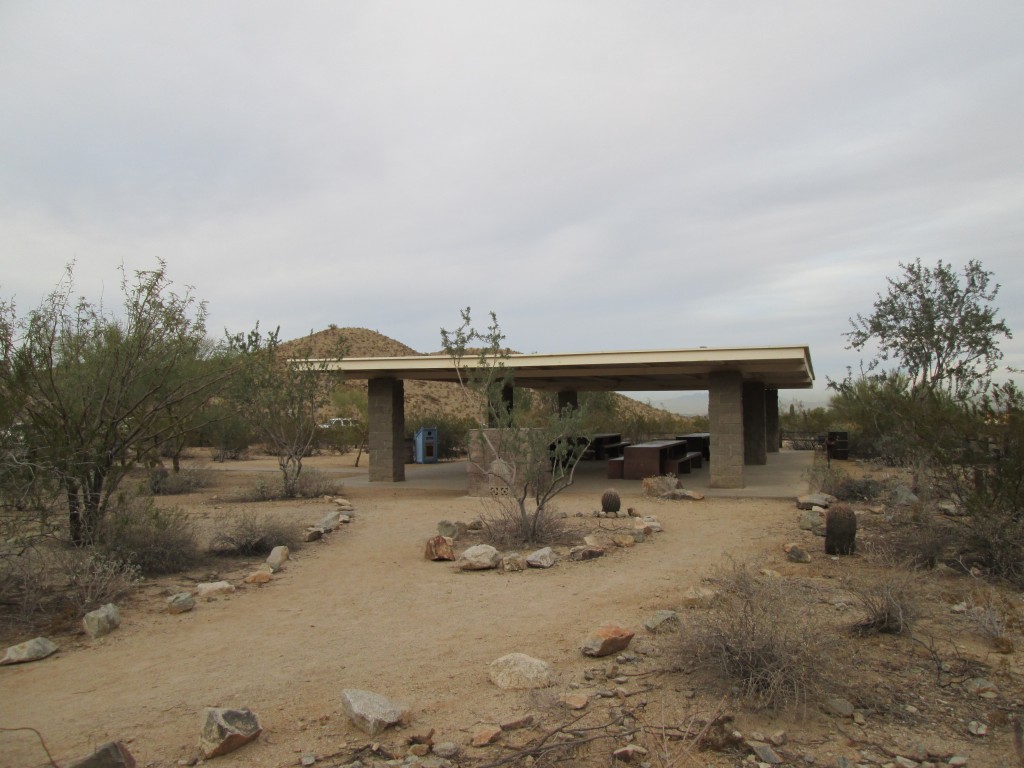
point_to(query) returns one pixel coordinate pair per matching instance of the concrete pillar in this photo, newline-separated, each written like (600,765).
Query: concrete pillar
(387,430)
(568,399)
(725,412)
(773,437)
(754,446)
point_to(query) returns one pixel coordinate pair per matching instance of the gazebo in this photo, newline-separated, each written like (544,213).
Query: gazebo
(743,386)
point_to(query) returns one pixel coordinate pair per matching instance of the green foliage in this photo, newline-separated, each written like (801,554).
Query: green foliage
(452,433)
(799,418)
(155,539)
(224,430)
(161,482)
(938,326)
(97,393)
(281,398)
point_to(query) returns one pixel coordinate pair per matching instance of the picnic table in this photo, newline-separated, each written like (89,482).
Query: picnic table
(655,457)
(698,441)
(607,445)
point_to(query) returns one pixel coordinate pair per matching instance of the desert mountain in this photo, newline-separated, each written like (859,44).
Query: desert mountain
(425,398)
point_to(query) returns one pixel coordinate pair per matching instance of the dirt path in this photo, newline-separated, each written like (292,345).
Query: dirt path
(362,610)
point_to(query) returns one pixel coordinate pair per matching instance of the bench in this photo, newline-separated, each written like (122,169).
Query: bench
(684,464)
(616,450)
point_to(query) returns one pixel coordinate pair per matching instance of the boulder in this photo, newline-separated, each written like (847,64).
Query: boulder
(903,496)
(258,577)
(225,730)
(699,597)
(810,500)
(513,562)
(277,558)
(796,555)
(542,558)
(517,723)
(812,520)
(447,750)
(448,528)
(313,533)
(370,712)
(585,553)
(182,602)
(576,701)
(486,734)
(102,621)
(330,521)
(31,650)
(663,621)
(606,640)
(840,707)
(210,589)
(439,548)
(517,671)
(481,557)
(630,753)
(624,540)
(659,486)
(652,523)
(113,754)
(681,494)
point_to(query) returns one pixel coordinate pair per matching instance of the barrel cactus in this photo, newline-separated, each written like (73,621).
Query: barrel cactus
(840,530)
(610,501)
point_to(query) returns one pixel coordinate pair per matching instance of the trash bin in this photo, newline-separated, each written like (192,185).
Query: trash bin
(425,445)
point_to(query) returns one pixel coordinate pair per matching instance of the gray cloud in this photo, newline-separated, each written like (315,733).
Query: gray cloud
(602,175)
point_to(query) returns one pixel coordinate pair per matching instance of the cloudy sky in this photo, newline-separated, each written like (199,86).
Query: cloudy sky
(602,175)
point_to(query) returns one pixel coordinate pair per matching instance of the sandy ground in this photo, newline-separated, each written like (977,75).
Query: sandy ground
(363,609)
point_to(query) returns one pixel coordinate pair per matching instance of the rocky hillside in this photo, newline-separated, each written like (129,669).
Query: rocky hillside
(428,398)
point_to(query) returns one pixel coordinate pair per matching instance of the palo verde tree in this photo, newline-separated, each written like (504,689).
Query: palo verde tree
(281,394)
(97,392)
(938,326)
(530,459)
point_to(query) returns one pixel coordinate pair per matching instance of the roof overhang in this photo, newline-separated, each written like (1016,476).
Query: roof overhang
(667,370)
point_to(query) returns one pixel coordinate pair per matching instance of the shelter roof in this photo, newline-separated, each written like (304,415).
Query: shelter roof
(652,370)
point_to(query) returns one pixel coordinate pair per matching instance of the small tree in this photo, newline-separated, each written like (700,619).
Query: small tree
(281,394)
(530,465)
(95,393)
(939,327)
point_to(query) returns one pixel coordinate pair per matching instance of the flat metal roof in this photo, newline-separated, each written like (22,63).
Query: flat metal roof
(652,370)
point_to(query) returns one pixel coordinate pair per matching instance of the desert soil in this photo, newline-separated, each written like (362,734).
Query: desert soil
(363,609)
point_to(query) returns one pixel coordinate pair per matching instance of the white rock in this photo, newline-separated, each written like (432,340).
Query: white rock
(480,557)
(212,588)
(30,650)
(277,558)
(371,712)
(519,671)
(102,621)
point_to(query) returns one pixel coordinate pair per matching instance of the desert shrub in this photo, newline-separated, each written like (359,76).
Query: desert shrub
(508,525)
(23,582)
(250,534)
(846,488)
(91,579)
(610,501)
(889,602)
(313,483)
(261,489)
(995,538)
(165,483)
(155,539)
(992,616)
(760,637)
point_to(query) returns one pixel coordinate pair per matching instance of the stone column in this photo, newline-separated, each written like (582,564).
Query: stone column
(568,399)
(387,430)
(754,446)
(725,412)
(773,437)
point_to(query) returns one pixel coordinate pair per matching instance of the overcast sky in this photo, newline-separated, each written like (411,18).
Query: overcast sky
(602,175)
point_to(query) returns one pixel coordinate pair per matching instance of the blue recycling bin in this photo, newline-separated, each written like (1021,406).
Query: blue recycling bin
(425,445)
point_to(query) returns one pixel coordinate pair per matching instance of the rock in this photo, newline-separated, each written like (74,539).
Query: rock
(659,486)
(439,548)
(778,739)
(330,521)
(576,701)
(102,621)
(977,729)
(447,750)
(346,518)
(639,526)
(681,494)
(699,597)
(371,712)
(448,529)
(765,753)
(475,525)
(542,558)
(512,562)
(258,577)
(903,496)
(796,555)
(957,761)
(604,542)
(210,589)
(481,557)
(629,753)
(307,760)
(812,520)
(517,723)
(769,573)
(31,650)
(182,602)
(313,533)
(979,686)
(624,540)
(606,640)
(585,553)
(113,754)
(225,730)
(516,671)
(662,621)
(277,558)
(811,500)
(486,734)
(652,523)
(834,705)
(342,502)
